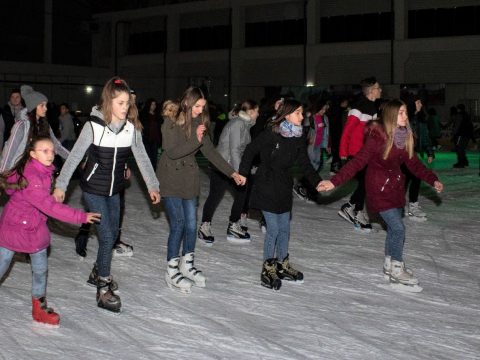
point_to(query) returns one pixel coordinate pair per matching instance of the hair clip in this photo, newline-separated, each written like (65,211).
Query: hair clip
(117,81)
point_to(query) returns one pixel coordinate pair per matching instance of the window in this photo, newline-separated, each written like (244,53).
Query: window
(274,33)
(206,38)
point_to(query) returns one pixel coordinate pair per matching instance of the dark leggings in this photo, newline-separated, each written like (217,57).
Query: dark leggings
(219,183)
(414,183)
(358,196)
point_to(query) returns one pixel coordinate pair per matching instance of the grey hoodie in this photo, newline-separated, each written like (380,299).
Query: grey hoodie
(234,138)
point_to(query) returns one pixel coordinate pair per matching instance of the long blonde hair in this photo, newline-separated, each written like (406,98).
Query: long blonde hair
(389,120)
(111,90)
(188,100)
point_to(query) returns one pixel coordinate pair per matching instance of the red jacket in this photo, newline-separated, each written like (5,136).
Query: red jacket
(353,132)
(384,180)
(23,224)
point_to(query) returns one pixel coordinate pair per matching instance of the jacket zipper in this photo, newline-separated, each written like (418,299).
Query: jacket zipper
(93,171)
(113,170)
(386,182)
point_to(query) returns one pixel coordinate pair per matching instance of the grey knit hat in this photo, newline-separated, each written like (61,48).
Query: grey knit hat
(32,98)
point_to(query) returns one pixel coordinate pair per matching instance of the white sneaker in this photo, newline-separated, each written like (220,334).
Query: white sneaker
(190,271)
(415,211)
(122,250)
(174,278)
(399,275)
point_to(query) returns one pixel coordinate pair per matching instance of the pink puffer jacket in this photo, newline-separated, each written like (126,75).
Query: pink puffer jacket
(23,223)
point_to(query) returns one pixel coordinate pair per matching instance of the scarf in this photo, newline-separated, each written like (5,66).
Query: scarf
(400,137)
(288,130)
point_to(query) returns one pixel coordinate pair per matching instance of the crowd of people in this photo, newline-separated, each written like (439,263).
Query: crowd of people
(376,141)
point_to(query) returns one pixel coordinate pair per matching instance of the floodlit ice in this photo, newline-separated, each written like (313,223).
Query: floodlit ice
(344,310)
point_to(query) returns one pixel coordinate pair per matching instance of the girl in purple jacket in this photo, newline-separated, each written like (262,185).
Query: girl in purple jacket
(388,145)
(23,223)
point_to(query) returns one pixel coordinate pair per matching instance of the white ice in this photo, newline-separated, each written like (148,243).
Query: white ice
(344,310)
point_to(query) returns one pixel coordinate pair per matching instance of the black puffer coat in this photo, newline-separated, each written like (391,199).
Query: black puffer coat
(272,189)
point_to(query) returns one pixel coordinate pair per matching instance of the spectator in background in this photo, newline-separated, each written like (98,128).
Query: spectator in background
(67,127)
(462,133)
(9,114)
(152,133)
(434,128)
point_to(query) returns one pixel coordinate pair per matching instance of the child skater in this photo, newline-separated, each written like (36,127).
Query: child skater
(280,146)
(389,144)
(32,123)
(23,223)
(183,137)
(234,138)
(110,136)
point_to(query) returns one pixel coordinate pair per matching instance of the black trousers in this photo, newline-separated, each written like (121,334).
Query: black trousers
(219,183)
(358,196)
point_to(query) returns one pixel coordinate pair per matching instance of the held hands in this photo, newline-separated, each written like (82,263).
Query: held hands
(200,132)
(438,186)
(325,185)
(239,179)
(155,197)
(93,218)
(59,195)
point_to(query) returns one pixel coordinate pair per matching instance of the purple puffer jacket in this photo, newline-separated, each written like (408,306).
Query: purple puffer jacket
(23,223)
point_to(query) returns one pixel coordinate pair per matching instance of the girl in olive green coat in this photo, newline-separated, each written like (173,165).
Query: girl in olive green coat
(183,136)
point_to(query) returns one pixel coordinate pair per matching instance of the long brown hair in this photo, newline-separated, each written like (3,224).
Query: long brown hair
(188,100)
(389,120)
(111,90)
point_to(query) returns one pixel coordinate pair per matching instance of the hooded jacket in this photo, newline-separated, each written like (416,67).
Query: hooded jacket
(17,143)
(23,223)
(384,180)
(234,138)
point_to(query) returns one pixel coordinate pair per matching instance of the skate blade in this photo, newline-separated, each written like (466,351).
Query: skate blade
(417,219)
(205,243)
(276,288)
(296,282)
(42,325)
(406,288)
(235,240)
(179,290)
(104,310)
(199,284)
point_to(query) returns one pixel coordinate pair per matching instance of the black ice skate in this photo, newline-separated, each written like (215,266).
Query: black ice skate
(269,276)
(93,279)
(106,299)
(285,271)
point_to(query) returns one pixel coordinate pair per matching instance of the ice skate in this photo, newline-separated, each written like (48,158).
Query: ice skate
(106,298)
(236,234)
(93,279)
(347,212)
(174,278)
(285,271)
(399,275)
(205,233)
(42,313)
(122,249)
(269,277)
(387,267)
(300,191)
(189,271)
(415,212)
(362,222)
(243,222)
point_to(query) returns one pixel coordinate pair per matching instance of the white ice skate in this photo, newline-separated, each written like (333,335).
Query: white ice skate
(402,280)
(189,271)
(174,278)
(415,212)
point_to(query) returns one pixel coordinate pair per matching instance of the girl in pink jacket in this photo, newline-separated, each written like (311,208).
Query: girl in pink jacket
(23,223)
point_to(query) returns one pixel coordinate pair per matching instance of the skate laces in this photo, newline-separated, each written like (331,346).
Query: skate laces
(44,307)
(288,268)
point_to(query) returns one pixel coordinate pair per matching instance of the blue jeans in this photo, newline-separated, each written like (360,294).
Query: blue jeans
(395,233)
(107,228)
(277,236)
(182,217)
(39,263)
(315,156)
